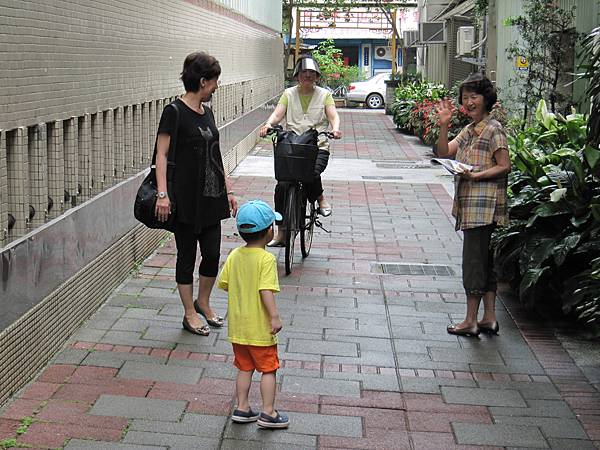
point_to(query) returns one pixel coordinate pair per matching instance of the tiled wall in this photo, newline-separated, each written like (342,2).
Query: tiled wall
(84,84)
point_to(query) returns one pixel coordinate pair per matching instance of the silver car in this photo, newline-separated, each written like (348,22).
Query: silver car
(370,92)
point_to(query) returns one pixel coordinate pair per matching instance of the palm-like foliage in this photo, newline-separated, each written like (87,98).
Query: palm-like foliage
(591,46)
(551,249)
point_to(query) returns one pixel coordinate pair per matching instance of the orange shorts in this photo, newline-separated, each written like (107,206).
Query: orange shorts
(253,357)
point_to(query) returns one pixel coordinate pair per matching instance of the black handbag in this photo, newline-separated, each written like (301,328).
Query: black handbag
(144,208)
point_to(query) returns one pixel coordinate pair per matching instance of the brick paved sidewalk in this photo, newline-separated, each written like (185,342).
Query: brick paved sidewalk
(366,360)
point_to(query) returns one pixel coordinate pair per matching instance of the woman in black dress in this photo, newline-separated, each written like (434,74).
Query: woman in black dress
(202,191)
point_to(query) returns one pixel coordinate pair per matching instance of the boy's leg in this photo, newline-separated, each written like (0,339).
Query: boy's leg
(268,386)
(242,388)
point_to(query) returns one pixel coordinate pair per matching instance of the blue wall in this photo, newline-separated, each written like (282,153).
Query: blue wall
(375,63)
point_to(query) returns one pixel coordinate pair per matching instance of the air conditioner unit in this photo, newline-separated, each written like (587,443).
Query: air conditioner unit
(432,32)
(411,38)
(383,53)
(465,36)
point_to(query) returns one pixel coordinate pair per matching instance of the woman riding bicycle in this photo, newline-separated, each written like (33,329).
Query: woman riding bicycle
(305,106)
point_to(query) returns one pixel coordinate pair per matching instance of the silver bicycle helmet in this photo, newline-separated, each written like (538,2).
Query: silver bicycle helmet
(306,63)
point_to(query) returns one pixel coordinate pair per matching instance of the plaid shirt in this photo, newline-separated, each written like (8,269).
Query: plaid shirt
(480,202)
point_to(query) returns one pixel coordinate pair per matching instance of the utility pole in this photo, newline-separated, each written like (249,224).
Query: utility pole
(394,48)
(297,35)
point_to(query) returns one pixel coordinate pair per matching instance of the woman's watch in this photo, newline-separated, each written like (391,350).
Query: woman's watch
(161,194)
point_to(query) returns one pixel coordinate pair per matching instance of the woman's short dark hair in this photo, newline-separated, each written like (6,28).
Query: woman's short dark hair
(479,84)
(199,65)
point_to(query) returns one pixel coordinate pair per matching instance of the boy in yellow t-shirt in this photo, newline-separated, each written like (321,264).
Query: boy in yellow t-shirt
(250,278)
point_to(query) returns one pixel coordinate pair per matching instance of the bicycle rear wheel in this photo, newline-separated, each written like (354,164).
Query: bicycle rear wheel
(291,219)
(308,227)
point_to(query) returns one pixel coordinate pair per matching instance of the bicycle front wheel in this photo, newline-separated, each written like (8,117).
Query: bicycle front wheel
(291,218)
(308,227)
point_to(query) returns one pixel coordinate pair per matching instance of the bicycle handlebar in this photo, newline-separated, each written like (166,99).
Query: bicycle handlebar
(275,128)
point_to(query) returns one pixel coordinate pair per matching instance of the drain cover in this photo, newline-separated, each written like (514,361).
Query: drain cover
(412,269)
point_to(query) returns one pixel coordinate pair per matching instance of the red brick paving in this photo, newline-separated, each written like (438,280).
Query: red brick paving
(55,434)
(442,441)
(8,428)
(375,439)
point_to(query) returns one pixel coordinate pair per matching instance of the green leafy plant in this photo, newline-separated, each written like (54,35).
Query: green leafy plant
(8,443)
(333,71)
(551,249)
(591,67)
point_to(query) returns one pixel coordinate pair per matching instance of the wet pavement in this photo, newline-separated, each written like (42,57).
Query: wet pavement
(366,360)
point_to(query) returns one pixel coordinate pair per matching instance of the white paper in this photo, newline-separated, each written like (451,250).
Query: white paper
(452,166)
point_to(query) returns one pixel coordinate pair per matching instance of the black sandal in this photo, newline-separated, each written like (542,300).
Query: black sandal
(204,330)
(216,321)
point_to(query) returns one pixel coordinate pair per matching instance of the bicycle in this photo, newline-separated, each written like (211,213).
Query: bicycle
(339,92)
(294,165)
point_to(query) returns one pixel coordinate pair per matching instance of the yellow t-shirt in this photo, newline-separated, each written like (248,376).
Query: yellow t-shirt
(305,101)
(246,272)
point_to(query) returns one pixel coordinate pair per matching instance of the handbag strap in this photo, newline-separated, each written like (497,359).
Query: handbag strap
(173,141)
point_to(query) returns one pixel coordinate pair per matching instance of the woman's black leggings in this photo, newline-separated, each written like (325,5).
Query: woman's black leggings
(187,244)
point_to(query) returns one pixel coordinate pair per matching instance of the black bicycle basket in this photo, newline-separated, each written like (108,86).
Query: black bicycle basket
(295,156)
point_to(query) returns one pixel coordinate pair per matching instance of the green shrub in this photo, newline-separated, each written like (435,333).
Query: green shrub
(551,248)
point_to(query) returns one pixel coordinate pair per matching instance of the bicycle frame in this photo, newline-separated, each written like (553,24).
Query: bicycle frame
(300,216)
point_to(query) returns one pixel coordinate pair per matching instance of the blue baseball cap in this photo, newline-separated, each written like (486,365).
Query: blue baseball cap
(255,216)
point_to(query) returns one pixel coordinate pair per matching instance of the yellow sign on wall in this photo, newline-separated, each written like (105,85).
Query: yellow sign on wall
(522,63)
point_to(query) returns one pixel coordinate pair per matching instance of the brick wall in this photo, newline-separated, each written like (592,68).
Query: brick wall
(83,85)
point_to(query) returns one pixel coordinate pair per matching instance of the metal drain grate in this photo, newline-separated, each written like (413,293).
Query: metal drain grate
(396,177)
(394,165)
(412,269)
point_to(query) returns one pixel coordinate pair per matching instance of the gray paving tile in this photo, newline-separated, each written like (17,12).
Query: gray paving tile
(245,432)
(551,427)
(234,444)
(309,385)
(322,347)
(422,346)
(373,332)
(87,335)
(178,335)
(80,444)
(571,444)
(133,339)
(537,408)
(323,424)
(160,372)
(366,344)
(70,356)
(431,385)
(526,366)
(173,441)
(371,382)
(369,358)
(529,390)
(480,396)
(158,292)
(422,361)
(138,408)
(190,425)
(117,359)
(466,355)
(498,435)
(312,322)
(225,371)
